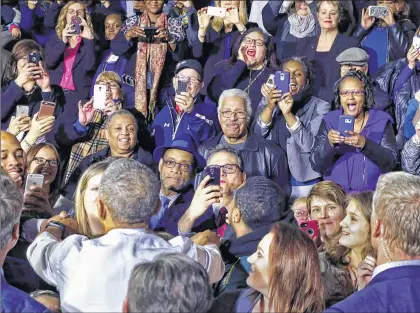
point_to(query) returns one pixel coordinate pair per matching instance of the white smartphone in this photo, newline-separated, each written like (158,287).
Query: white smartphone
(99,97)
(34,180)
(216,11)
(416,42)
(270,81)
(22,110)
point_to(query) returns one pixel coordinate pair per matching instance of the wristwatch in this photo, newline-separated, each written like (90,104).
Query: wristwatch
(59,225)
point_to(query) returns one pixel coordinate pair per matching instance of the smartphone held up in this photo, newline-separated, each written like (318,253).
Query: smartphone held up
(34,180)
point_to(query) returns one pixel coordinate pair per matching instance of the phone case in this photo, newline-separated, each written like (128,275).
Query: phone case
(99,97)
(416,42)
(46,109)
(311,228)
(345,122)
(22,110)
(378,11)
(76,25)
(214,173)
(34,57)
(182,87)
(216,11)
(34,180)
(282,81)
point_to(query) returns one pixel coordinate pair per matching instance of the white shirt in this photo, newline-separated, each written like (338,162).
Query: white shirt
(92,275)
(383,267)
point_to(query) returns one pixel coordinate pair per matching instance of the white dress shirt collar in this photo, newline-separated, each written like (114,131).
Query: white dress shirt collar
(383,267)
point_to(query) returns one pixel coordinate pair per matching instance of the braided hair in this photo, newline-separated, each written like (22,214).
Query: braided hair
(368,86)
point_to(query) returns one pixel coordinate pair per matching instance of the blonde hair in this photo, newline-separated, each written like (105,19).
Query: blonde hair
(299,201)
(62,21)
(107,77)
(80,210)
(218,23)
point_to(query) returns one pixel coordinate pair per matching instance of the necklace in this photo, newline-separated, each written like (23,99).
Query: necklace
(363,122)
(253,81)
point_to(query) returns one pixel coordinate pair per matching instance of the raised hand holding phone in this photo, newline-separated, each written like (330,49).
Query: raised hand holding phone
(367,21)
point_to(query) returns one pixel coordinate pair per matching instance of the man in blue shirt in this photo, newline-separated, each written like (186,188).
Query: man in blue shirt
(11,203)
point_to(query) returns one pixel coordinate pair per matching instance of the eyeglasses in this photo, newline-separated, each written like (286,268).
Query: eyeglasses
(78,12)
(229,168)
(42,161)
(250,41)
(172,164)
(112,86)
(354,92)
(240,114)
(300,214)
(188,79)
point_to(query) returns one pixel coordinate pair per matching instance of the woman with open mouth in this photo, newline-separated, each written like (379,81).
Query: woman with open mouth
(253,60)
(355,158)
(291,119)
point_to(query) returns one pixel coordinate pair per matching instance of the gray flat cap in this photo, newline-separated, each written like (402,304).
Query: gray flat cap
(353,56)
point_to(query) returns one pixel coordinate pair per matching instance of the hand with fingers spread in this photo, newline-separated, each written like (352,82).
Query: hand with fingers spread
(412,56)
(232,15)
(110,107)
(356,140)
(204,197)
(367,21)
(335,138)
(364,272)
(87,32)
(40,127)
(86,112)
(184,101)
(36,199)
(203,19)
(28,72)
(19,124)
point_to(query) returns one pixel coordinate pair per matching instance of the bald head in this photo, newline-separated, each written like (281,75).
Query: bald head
(12,160)
(112,26)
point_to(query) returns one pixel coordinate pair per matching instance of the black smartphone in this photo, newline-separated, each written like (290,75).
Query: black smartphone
(76,21)
(214,172)
(182,87)
(34,57)
(150,31)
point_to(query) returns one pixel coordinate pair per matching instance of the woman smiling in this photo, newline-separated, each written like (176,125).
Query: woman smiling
(356,159)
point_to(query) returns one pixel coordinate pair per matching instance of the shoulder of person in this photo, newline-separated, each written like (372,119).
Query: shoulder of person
(226,301)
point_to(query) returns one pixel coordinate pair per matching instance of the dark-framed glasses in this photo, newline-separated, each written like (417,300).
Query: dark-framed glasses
(42,161)
(354,92)
(182,166)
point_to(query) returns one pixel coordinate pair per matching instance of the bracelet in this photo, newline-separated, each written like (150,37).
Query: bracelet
(27,143)
(57,225)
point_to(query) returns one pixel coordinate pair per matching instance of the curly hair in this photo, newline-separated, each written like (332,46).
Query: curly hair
(62,22)
(307,65)
(270,53)
(367,83)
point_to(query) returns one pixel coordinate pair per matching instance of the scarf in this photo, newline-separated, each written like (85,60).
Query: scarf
(95,141)
(301,26)
(154,55)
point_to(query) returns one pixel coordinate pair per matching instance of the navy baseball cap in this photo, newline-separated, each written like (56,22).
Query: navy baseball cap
(190,63)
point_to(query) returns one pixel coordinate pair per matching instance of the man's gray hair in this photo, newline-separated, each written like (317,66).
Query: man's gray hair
(222,148)
(171,283)
(130,190)
(396,203)
(236,93)
(261,202)
(11,204)
(119,113)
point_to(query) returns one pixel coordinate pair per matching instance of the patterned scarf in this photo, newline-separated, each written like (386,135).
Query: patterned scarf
(95,141)
(153,54)
(301,26)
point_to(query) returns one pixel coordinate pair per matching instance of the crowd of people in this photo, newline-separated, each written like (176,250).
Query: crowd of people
(210,156)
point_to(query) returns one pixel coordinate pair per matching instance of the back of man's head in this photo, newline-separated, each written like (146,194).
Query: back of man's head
(11,203)
(261,202)
(130,191)
(171,283)
(396,203)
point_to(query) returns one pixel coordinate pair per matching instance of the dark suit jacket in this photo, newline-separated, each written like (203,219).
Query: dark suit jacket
(331,72)
(393,290)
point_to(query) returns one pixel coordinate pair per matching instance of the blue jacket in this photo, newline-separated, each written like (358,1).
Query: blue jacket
(14,300)
(83,65)
(200,123)
(393,290)
(356,169)
(331,72)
